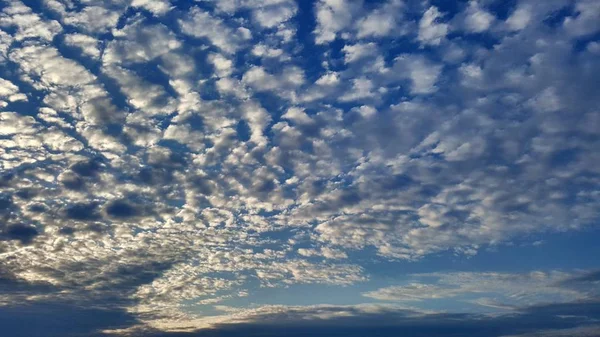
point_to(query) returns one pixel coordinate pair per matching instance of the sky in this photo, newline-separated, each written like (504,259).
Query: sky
(418,168)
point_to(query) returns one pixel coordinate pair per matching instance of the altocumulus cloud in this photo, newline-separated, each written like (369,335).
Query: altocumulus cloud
(280,167)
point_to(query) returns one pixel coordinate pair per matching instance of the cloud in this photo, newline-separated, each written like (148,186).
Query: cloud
(158,8)
(422,73)
(174,166)
(29,25)
(200,24)
(431,32)
(358,320)
(87,44)
(583,331)
(477,19)
(138,43)
(383,21)
(332,16)
(520,18)
(90,19)
(496,290)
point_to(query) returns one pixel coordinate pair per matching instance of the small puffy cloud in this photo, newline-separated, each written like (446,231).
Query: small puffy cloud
(330,78)
(87,44)
(9,93)
(258,78)
(28,24)
(382,21)
(357,51)
(91,19)
(156,7)
(432,32)
(477,19)
(223,65)
(284,83)
(586,18)
(298,116)
(272,16)
(422,73)
(50,66)
(361,88)
(262,50)
(267,13)
(333,16)
(138,42)
(201,24)
(150,98)
(519,18)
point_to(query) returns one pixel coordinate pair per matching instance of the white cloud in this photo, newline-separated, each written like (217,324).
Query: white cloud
(156,7)
(297,115)
(258,78)
(382,21)
(361,88)
(500,290)
(12,123)
(151,99)
(520,18)
(138,42)
(586,21)
(201,24)
(358,51)
(92,19)
(432,32)
(5,42)
(422,73)
(333,16)
(262,50)
(87,44)
(284,83)
(330,78)
(267,13)
(272,16)
(9,92)
(223,65)
(477,19)
(50,66)
(29,25)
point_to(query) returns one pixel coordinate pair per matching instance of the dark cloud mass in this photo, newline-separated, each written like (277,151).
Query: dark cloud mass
(23,233)
(293,168)
(120,208)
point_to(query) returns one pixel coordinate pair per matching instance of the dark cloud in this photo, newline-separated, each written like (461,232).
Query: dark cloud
(61,320)
(87,168)
(73,182)
(121,209)
(26,193)
(393,322)
(21,232)
(37,208)
(6,203)
(82,211)
(67,230)
(593,276)
(589,282)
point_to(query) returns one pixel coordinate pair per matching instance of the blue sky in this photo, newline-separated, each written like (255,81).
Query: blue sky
(291,168)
